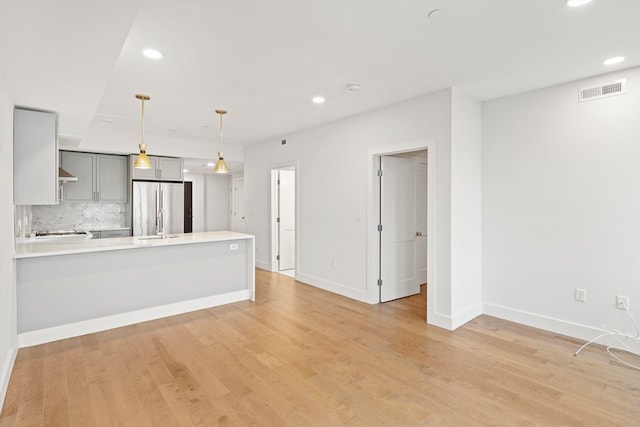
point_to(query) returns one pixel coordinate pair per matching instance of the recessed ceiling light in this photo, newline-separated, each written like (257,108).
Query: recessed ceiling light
(152,53)
(185,170)
(577,3)
(318,100)
(614,60)
(211,164)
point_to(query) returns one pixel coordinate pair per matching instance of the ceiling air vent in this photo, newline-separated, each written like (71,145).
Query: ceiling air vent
(603,91)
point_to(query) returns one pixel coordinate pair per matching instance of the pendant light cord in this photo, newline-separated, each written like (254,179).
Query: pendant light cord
(221,133)
(142,126)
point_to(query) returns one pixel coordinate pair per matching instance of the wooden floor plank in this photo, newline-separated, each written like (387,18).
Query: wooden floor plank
(77,391)
(31,400)
(300,356)
(56,410)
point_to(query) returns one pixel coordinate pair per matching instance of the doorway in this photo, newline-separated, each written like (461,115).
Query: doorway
(284,220)
(402,219)
(188,207)
(238,216)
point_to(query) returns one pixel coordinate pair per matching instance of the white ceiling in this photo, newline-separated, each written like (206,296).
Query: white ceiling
(263,60)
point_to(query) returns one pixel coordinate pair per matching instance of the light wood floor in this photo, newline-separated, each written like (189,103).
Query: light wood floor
(301,356)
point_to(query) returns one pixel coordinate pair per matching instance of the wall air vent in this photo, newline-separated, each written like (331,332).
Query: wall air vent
(603,91)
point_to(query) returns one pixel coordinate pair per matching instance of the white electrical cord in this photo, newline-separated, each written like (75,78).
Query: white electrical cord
(618,337)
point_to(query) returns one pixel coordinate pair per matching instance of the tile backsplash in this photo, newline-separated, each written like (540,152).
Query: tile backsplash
(78,216)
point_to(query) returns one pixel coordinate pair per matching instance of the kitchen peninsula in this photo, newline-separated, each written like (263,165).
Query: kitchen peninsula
(71,288)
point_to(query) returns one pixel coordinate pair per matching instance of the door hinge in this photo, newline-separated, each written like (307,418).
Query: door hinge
(379,227)
(278,182)
(277,219)
(277,257)
(379,282)
(379,172)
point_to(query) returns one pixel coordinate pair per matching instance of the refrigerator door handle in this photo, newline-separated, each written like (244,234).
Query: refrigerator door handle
(157,205)
(160,217)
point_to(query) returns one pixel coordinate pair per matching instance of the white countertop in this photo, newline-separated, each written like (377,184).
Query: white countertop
(29,248)
(106,228)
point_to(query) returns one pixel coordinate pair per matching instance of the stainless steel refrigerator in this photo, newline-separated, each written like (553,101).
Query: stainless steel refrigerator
(157,204)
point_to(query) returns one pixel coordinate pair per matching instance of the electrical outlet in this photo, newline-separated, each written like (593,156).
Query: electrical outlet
(622,302)
(581,295)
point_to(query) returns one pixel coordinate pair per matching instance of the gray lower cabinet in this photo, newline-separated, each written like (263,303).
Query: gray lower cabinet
(101,177)
(104,234)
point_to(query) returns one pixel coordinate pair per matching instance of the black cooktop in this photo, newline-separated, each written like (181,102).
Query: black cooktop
(59,233)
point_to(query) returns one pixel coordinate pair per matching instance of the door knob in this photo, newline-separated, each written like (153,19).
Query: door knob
(418,233)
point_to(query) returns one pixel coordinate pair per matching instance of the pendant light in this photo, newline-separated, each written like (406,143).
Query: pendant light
(221,166)
(142,161)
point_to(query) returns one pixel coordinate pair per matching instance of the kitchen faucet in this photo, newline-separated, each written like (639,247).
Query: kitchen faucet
(160,223)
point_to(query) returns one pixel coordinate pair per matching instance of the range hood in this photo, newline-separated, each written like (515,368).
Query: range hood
(64,176)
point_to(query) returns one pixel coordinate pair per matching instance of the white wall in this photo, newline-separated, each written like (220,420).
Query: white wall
(332,162)
(217,195)
(466,197)
(561,206)
(210,201)
(8,329)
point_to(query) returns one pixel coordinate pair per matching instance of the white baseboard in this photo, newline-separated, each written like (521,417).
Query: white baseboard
(334,287)
(558,326)
(263,265)
(439,320)
(41,336)
(452,323)
(466,315)
(5,373)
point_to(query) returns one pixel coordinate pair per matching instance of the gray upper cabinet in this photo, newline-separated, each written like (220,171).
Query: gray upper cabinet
(80,165)
(162,169)
(170,169)
(101,177)
(35,157)
(112,178)
(149,174)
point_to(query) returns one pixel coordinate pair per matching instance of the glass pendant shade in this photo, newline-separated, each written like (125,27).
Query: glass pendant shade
(221,166)
(142,161)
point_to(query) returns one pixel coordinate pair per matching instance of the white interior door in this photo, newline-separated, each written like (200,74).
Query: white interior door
(287,221)
(421,220)
(398,268)
(238,206)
